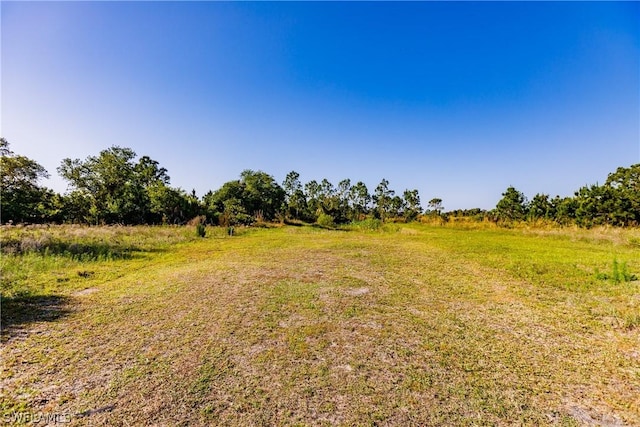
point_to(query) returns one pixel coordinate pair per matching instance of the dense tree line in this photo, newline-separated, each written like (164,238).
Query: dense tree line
(117,187)
(616,202)
(111,188)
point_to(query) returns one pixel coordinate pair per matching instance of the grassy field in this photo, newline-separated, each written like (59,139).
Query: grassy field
(404,325)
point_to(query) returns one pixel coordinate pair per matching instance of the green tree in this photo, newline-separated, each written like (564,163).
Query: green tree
(512,206)
(113,188)
(359,199)
(172,205)
(165,204)
(295,200)
(21,197)
(262,195)
(234,214)
(435,205)
(382,198)
(256,192)
(312,194)
(344,208)
(396,207)
(51,207)
(412,204)
(565,209)
(625,186)
(108,182)
(214,201)
(541,207)
(327,196)
(598,205)
(150,181)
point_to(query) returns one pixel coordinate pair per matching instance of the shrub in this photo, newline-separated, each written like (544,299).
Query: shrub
(369,224)
(619,273)
(198,220)
(325,220)
(200,230)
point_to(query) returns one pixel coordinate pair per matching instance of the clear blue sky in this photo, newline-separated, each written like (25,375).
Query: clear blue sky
(458,100)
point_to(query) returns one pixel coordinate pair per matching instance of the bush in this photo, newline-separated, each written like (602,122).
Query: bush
(200,230)
(368,224)
(198,220)
(619,273)
(325,220)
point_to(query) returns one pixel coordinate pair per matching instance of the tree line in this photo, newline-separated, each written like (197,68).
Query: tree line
(616,202)
(117,187)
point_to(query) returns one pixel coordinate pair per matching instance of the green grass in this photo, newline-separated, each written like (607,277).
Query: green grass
(378,324)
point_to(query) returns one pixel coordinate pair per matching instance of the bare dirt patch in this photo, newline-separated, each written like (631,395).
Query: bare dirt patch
(85,292)
(357,292)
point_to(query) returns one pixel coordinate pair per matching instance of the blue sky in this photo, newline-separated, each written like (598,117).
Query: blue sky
(458,100)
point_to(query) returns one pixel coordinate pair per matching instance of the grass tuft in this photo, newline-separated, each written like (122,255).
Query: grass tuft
(619,273)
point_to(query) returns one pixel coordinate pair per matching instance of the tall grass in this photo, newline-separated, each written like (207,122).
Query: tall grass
(32,254)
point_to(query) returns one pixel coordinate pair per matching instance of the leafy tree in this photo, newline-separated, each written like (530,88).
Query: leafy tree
(435,205)
(77,208)
(149,173)
(541,207)
(327,196)
(298,205)
(476,214)
(257,193)
(295,200)
(165,204)
(565,209)
(312,194)
(234,213)
(625,186)
(108,182)
(343,201)
(261,194)
(113,188)
(359,199)
(396,207)
(412,204)
(598,205)
(512,206)
(171,206)
(51,207)
(626,179)
(344,187)
(330,202)
(291,184)
(22,198)
(214,201)
(325,220)
(382,198)
(151,180)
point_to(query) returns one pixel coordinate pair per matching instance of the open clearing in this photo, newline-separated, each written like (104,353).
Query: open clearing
(410,325)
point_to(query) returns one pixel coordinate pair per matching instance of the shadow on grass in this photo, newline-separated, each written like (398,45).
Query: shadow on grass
(295,223)
(22,310)
(326,227)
